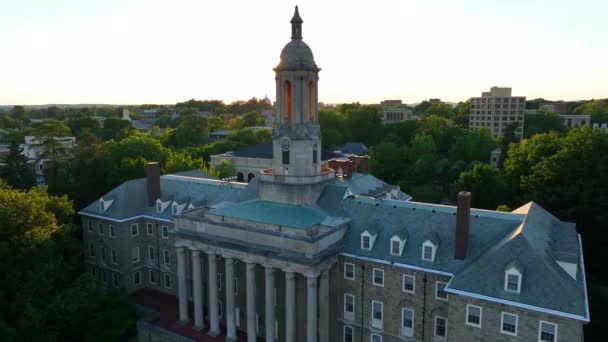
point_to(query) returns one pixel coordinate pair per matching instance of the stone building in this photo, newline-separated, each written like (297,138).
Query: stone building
(496,109)
(297,255)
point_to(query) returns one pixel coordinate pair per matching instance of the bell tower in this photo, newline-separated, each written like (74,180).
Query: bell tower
(297,144)
(296,176)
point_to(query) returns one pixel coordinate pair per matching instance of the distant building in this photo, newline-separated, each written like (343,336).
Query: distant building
(574,121)
(352,148)
(268,116)
(125,115)
(603,126)
(267,100)
(34,151)
(434,101)
(388,103)
(496,109)
(144,125)
(554,107)
(495,157)
(396,114)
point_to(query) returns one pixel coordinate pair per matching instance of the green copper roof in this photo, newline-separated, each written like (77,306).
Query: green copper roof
(281,214)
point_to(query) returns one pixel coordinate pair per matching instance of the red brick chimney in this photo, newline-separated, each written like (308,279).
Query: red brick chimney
(153,182)
(463,212)
(361,163)
(346,165)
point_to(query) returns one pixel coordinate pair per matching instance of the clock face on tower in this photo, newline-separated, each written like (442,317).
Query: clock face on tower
(285,143)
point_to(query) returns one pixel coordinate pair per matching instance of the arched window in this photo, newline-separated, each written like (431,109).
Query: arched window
(250,176)
(240,177)
(287,99)
(311,102)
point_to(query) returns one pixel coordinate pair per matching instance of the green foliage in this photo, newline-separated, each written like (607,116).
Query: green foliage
(333,128)
(598,109)
(129,156)
(193,130)
(462,111)
(473,145)
(112,126)
(248,136)
(16,173)
(77,125)
(216,123)
(443,110)
(50,128)
(542,123)
(45,295)
(225,170)
(177,162)
(388,162)
(487,186)
(365,124)
(253,119)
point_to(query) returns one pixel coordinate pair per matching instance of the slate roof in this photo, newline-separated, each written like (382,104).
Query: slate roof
(529,235)
(264,151)
(356,148)
(365,184)
(130,198)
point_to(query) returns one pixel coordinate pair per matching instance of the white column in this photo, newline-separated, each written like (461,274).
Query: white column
(270,317)
(324,307)
(197,292)
(182,290)
(290,306)
(230,322)
(213,309)
(311,309)
(251,311)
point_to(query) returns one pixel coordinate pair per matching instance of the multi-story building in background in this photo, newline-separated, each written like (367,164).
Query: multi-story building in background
(308,251)
(496,109)
(396,114)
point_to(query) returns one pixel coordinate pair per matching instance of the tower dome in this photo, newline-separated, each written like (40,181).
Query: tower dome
(296,54)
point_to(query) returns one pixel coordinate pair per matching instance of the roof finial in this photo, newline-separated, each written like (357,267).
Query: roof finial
(296,25)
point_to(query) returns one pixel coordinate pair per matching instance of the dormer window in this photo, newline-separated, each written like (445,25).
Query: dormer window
(174,208)
(102,206)
(159,206)
(513,277)
(428,251)
(367,240)
(397,244)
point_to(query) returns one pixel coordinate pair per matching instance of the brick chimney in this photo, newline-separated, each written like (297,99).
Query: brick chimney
(361,163)
(346,165)
(463,212)
(153,182)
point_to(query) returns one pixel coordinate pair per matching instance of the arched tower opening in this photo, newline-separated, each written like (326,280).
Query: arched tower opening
(288,102)
(311,101)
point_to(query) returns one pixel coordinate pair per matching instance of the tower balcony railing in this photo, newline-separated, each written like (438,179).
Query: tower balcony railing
(268,175)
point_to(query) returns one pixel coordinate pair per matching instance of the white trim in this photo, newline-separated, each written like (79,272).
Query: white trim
(437,290)
(138,255)
(151,256)
(112,231)
(112,255)
(502,322)
(413,291)
(375,335)
(374,277)
(466,320)
(516,304)
(352,333)
(385,262)
(428,243)
(377,323)
(152,276)
(350,316)
(125,219)
(151,230)
(162,233)
(351,264)
(370,239)
(135,276)
(165,280)
(397,239)
(136,228)
(540,324)
(409,332)
(165,254)
(580,246)
(101,228)
(513,272)
(435,328)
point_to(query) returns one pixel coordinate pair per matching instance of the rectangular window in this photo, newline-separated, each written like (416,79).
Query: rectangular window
(167,258)
(112,231)
(113,256)
(135,254)
(508,324)
(377,308)
(365,243)
(152,275)
(90,226)
(439,291)
(101,229)
(167,281)
(409,283)
(137,278)
(349,271)
(236,286)
(378,277)
(315,159)
(219,282)
(165,232)
(151,255)
(376,338)
(134,229)
(441,327)
(285,157)
(547,332)
(149,229)
(407,322)
(102,253)
(91,250)
(348,334)
(512,282)
(115,279)
(474,315)
(395,247)
(428,253)
(349,307)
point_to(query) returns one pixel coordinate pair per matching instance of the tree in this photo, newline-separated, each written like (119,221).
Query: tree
(508,137)
(77,125)
(485,183)
(443,110)
(236,123)
(216,123)
(111,127)
(365,124)
(177,162)
(16,173)
(542,123)
(334,130)
(225,170)
(388,162)
(462,111)
(18,113)
(193,130)
(129,156)
(473,145)
(597,109)
(253,119)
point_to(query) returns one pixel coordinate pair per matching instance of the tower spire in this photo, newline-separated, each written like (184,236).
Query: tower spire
(296,25)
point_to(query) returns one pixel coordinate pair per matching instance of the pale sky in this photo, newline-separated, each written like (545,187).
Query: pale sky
(159,51)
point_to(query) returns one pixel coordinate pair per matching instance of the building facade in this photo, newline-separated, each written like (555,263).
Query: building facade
(496,109)
(297,255)
(396,114)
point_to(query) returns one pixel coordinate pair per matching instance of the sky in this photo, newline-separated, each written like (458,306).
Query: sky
(163,52)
